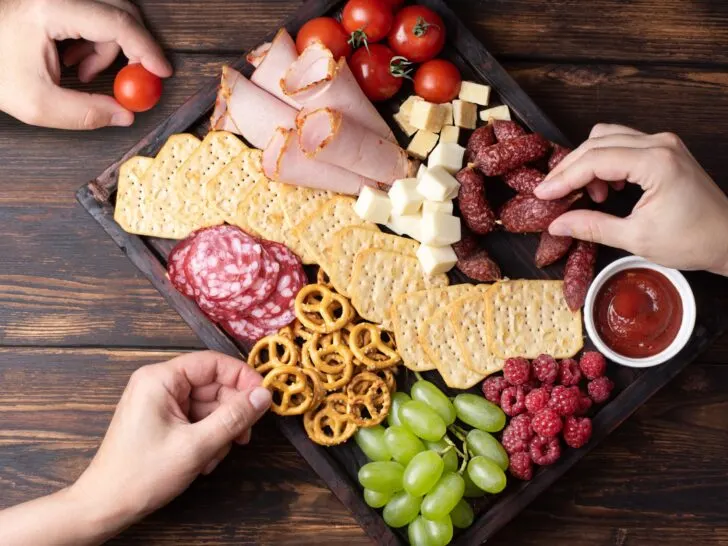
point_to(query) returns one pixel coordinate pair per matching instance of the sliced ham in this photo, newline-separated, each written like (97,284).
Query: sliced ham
(284,161)
(328,136)
(256,56)
(272,66)
(247,110)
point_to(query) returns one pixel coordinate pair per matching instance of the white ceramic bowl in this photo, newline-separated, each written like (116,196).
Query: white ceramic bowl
(688,318)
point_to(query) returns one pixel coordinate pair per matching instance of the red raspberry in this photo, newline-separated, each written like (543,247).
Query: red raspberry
(521,466)
(544,451)
(521,425)
(493,387)
(569,373)
(513,401)
(511,441)
(545,369)
(536,400)
(577,431)
(546,423)
(592,364)
(600,389)
(565,400)
(517,371)
(585,404)
(528,387)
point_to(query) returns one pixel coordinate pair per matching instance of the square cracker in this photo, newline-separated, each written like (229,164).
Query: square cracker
(260,213)
(380,276)
(410,311)
(297,203)
(131,193)
(236,179)
(529,318)
(347,242)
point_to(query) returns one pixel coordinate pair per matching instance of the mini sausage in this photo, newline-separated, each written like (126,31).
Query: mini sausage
(579,273)
(524,179)
(529,214)
(481,138)
(474,207)
(507,130)
(506,156)
(551,248)
(480,267)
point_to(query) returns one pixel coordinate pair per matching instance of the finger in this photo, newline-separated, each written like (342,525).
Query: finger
(200,410)
(244,438)
(589,225)
(101,58)
(617,185)
(206,367)
(219,456)
(598,190)
(606,129)
(204,401)
(77,52)
(206,393)
(81,111)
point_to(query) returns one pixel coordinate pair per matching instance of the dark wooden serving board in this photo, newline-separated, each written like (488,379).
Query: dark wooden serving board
(338,466)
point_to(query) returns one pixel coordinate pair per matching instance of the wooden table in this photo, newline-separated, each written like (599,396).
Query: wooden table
(77,318)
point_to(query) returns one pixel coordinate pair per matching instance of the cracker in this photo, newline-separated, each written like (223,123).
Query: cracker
(236,179)
(380,276)
(529,318)
(131,193)
(410,311)
(350,240)
(261,214)
(297,203)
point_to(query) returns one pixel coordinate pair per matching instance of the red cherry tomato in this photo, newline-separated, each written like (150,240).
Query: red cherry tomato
(437,81)
(367,21)
(418,33)
(136,88)
(328,31)
(394,4)
(378,71)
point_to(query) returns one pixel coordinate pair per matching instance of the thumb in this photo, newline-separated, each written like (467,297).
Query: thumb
(590,225)
(68,109)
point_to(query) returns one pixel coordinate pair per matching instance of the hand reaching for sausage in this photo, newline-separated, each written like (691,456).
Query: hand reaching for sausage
(680,221)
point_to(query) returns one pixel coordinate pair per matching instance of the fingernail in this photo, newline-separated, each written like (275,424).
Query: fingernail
(260,399)
(545,188)
(560,230)
(122,119)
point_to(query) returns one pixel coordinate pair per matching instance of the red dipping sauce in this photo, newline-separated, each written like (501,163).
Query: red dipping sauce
(638,312)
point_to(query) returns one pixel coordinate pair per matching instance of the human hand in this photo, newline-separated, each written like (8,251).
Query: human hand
(680,221)
(30,70)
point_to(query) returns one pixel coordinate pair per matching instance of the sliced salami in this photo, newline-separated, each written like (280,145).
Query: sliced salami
(176,267)
(213,310)
(245,330)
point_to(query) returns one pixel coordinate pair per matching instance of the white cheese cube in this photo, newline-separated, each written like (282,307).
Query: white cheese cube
(406,108)
(421,171)
(437,206)
(373,205)
(448,112)
(404,197)
(447,155)
(450,133)
(410,224)
(475,92)
(422,144)
(440,229)
(404,124)
(437,184)
(435,260)
(497,112)
(465,114)
(428,116)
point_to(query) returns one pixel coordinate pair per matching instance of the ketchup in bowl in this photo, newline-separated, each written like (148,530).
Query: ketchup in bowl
(638,312)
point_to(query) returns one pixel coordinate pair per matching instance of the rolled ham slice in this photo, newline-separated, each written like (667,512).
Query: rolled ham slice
(328,136)
(284,161)
(256,56)
(272,65)
(245,109)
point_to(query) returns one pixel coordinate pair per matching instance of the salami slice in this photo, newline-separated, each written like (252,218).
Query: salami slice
(261,290)
(245,330)
(176,267)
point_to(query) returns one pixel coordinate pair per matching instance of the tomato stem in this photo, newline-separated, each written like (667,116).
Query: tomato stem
(421,26)
(358,38)
(399,67)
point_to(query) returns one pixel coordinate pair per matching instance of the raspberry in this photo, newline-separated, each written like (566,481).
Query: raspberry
(545,369)
(521,466)
(600,389)
(536,400)
(516,370)
(569,373)
(511,441)
(585,404)
(528,387)
(513,401)
(521,425)
(565,400)
(577,431)
(546,423)
(592,364)
(493,387)
(544,451)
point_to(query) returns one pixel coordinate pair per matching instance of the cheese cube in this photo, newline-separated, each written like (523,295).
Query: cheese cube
(428,116)
(498,112)
(465,114)
(404,197)
(450,133)
(406,108)
(437,184)
(475,92)
(422,144)
(435,260)
(440,229)
(421,171)
(437,206)
(404,124)
(410,224)
(447,155)
(373,205)
(448,113)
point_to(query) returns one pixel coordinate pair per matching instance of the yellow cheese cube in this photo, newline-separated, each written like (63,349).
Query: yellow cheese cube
(465,114)
(435,260)
(373,205)
(475,92)
(406,108)
(497,112)
(448,113)
(450,133)
(422,144)
(428,116)
(404,124)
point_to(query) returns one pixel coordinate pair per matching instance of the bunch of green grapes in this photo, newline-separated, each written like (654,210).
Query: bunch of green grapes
(419,475)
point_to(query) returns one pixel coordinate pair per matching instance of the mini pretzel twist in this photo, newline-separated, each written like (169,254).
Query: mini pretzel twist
(290,389)
(323,279)
(271,352)
(334,363)
(365,341)
(368,400)
(330,425)
(321,310)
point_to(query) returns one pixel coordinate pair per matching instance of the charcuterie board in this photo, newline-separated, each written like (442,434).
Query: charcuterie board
(338,466)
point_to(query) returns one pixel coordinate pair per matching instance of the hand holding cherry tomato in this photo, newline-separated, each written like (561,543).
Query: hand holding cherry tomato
(137,89)
(438,81)
(329,32)
(418,33)
(379,71)
(367,21)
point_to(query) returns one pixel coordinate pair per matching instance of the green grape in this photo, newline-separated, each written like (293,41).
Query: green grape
(375,499)
(478,412)
(482,443)
(398,398)
(450,458)
(462,515)
(442,498)
(402,509)
(371,442)
(422,420)
(439,530)
(382,476)
(418,535)
(486,474)
(422,473)
(402,444)
(427,392)
(472,491)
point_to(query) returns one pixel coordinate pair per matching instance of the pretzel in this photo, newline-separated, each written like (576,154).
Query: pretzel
(365,341)
(321,310)
(271,352)
(296,331)
(368,400)
(317,387)
(329,425)
(291,392)
(334,363)
(322,278)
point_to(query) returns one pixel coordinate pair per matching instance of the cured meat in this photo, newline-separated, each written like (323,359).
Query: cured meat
(176,267)
(284,161)
(557,156)
(246,330)
(474,207)
(510,154)
(481,138)
(256,56)
(279,308)
(529,214)
(328,136)
(480,266)
(243,108)
(524,179)
(259,292)
(272,65)
(466,246)
(551,248)
(579,273)
(507,130)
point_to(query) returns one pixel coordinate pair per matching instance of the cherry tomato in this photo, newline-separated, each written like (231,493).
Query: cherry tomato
(378,70)
(136,88)
(418,33)
(328,31)
(437,81)
(394,4)
(367,21)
